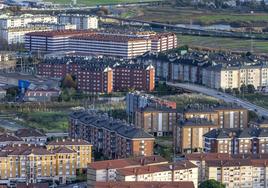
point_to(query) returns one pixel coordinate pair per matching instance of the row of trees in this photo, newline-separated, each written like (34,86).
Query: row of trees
(243,89)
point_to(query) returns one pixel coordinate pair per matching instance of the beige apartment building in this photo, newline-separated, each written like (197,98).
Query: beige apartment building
(189,135)
(239,172)
(157,120)
(224,116)
(243,171)
(235,76)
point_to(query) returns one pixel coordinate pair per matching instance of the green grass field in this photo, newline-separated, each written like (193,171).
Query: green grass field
(47,121)
(96,2)
(173,15)
(259,46)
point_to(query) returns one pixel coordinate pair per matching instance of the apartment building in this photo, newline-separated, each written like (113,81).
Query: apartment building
(133,76)
(182,184)
(173,172)
(188,135)
(163,41)
(53,26)
(225,77)
(225,116)
(17,35)
(106,171)
(137,100)
(7,60)
(79,20)
(108,44)
(9,139)
(157,120)
(120,45)
(81,147)
(50,41)
(8,22)
(238,172)
(237,141)
(114,138)
(32,136)
(95,79)
(212,166)
(32,164)
(100,75)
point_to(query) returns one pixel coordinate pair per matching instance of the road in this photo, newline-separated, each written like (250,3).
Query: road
(75,185)
(222,96)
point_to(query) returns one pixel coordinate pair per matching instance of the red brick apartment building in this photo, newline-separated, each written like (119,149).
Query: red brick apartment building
(114,138)
(101,76)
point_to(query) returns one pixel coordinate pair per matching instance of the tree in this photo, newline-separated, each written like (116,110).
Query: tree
(251,88)
(211,184)
(68,82)
(243,88)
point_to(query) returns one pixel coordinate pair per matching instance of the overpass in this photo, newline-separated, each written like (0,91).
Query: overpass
(221,96)
(191,31)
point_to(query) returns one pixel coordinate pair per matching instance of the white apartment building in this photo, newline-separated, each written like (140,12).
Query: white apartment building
(234,77)
(163,42)
(50,41)
(179,171)
(7,22)
(81,21)
(110,45)
(53,26)
(106,171)
(17,35)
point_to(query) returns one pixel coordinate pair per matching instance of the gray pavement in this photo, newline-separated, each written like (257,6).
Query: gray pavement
(222,96)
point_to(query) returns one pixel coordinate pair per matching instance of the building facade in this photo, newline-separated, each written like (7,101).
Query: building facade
(80,21)
(106,171)
(127,46)
(237,141)
(81,147)
(32,164)
(114,138)
(188,135)
(224,116)
(157,120)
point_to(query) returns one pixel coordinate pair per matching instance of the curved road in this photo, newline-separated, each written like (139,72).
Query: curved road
(222,96)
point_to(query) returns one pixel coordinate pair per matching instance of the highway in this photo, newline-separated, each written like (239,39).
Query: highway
(222,96)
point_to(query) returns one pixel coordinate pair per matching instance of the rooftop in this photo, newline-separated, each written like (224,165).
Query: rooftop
(29,133)
(122,163)
(180,165)
(182,184)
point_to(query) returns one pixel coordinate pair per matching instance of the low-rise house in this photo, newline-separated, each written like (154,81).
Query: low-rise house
(32,136)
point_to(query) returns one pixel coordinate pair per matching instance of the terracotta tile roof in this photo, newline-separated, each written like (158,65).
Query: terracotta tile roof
(108,37)
(207,156)
(156,168)
(29,133)
(63,150)
(68,142)
(122,163)
(60,33)
(182,184)
(9,138)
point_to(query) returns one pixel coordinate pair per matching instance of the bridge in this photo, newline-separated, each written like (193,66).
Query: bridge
(190,31)
(221,96)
